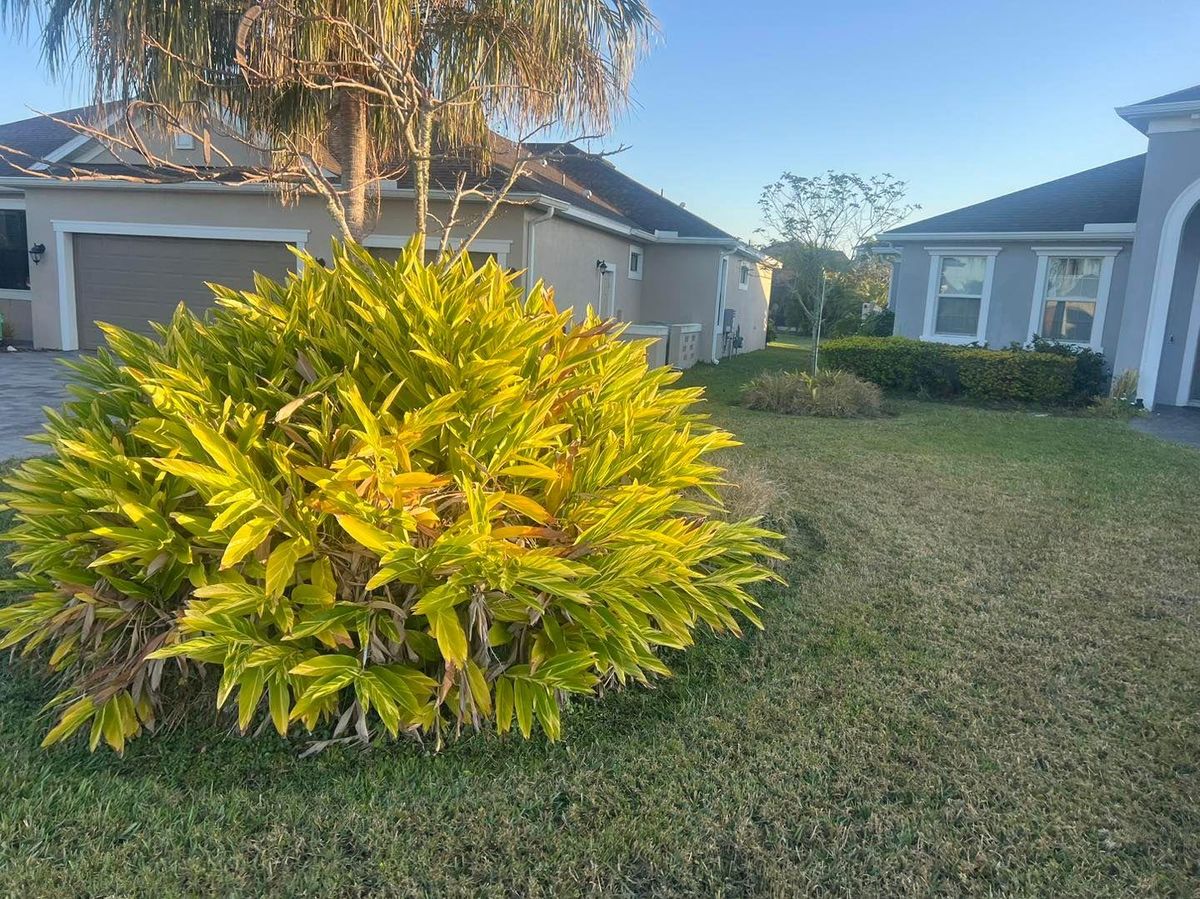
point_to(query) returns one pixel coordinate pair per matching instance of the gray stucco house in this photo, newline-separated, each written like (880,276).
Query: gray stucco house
(1106,258)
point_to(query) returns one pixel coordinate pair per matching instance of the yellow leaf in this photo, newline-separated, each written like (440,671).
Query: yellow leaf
(366,534)
(528,507)
(281,564)
(530,470)
(451,639)
(279,700)
(419,480)
(479,688)
(247,539)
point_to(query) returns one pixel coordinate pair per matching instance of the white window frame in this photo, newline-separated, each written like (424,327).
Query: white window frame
(936,255)
(13,293)
(744,277)
(1107,255)
(635,250)
(184,141)
(502,248)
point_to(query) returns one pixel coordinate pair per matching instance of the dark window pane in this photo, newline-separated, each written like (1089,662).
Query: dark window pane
(1068,321)
(14,251)
(957,315)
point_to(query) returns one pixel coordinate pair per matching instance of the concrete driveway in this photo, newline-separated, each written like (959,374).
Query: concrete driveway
(28,381)
(1175,423)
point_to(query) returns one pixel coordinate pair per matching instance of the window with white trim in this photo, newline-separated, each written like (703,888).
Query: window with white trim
(959,295)
(1070,297)
(184,141)
(636,263)
(960,284)
(1071,293)
(744,278)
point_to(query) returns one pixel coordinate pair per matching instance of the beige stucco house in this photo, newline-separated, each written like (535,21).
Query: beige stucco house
(73,252)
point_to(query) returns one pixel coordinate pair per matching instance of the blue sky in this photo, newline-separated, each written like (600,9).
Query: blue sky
(963,100)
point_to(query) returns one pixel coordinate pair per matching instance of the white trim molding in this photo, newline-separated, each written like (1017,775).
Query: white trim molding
(1108,256)
(1183,396)
(1117,231)
(936,255)
(501,248)
(64,241)
(743,277)
(1160,293)
(201,232)
(78,142)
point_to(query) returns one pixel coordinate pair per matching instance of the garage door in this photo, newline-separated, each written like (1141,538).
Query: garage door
(131,281)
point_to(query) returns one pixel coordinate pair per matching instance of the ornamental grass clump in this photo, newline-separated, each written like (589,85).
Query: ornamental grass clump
(827,394)
(380,496)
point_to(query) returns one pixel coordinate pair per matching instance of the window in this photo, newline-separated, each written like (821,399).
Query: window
(14,250)
(635,263)
(959,284)
(744,278)
(960,294)
(1071,293)
(184,141)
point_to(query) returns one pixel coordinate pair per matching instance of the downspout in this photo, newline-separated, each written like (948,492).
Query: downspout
(531,241)
(722,282)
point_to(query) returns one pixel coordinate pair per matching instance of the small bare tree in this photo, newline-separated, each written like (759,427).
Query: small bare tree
(339,96)
(809,219)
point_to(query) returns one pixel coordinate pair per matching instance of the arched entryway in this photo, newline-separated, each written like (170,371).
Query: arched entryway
(1169,353)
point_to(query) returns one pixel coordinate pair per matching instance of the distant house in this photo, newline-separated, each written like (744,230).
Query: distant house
(106,249)
(1106,258)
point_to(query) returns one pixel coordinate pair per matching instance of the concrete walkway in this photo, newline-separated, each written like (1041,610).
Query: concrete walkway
(1175,423)
(28,381)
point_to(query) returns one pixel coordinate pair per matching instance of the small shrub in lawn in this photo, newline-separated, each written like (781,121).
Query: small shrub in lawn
(878,324)
(845,326)
(1048,377)
(827,394)
(1091,377)
(752,494)
(896,363)
(397,496)
(1020,375)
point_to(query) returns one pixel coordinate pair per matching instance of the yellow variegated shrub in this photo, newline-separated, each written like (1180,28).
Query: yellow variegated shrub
(379,494)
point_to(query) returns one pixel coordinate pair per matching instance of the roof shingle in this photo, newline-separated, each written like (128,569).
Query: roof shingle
(1108,194)
(584,180)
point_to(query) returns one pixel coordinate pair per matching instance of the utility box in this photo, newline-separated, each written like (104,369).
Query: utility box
(656,353)
(683,349)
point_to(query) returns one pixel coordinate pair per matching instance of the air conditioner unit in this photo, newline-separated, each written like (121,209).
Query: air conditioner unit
(656,353)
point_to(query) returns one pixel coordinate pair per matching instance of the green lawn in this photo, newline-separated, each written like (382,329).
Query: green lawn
(983,678)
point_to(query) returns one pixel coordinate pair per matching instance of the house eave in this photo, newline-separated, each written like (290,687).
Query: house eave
(1090,232)
(1140,115)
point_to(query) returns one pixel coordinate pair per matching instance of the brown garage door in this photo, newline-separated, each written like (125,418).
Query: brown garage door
(131,281)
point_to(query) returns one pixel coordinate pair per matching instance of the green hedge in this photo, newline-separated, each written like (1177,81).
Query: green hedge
(938,369)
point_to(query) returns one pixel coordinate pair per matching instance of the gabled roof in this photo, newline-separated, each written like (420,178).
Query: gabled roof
(1108,194)
(565,173)
(1187,95)
(636,202)
(1176,103)
(36,138)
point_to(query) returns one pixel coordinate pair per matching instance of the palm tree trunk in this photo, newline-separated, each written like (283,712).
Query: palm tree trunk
(352,115)
(421,167)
